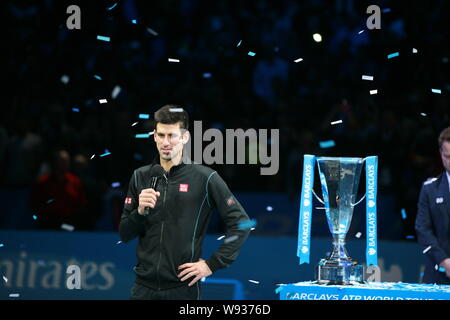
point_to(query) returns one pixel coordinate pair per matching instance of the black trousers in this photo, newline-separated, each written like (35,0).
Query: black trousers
(140,292)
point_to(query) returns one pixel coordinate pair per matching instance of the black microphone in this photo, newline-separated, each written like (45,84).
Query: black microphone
(156,172)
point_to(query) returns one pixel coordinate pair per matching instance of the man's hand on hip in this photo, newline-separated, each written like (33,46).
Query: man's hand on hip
(198,269)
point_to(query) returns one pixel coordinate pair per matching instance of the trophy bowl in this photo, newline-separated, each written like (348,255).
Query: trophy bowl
(339,179)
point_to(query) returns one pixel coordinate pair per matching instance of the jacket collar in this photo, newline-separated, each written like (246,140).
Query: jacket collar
(185,160)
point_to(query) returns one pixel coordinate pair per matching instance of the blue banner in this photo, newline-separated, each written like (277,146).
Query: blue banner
(371,210)
(305,215)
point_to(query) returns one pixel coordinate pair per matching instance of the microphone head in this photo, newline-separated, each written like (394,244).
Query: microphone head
(157,171)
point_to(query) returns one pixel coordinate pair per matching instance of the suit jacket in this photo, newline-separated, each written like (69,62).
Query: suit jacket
(432,226)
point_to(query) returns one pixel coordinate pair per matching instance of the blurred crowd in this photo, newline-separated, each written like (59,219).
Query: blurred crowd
(53,151)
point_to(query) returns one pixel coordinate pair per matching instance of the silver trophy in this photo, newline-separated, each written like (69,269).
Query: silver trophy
(339,178)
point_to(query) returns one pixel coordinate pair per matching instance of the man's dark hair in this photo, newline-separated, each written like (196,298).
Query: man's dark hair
(172,114)
(444,136)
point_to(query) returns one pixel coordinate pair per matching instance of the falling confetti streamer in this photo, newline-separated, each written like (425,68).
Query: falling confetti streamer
(14,295)
(423,114)
(358,235)
(5,279)
(115,92)
(251,54)
(142,135)
(393,55)
(134,124)
(67,227)
(119,242)
(373,91)
(370,78)
(298,60)
(115,184)
(1,245)
(50,201)
(97,77)
(253,281)
(207,75)
(176,110)
(436,91)
(327,144)
(107,153)
(134,21)
(239,43)
(144,116)
(426,250)
(75,110)
(336,122)
(112,7)
(220,238)
(93,156)
(103,38)
(403,212)
(34,217)
(174,60)
(153,32)
(361,32)
(103,101)
(414,50)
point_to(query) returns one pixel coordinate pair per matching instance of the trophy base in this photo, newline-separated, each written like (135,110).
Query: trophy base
(332,273)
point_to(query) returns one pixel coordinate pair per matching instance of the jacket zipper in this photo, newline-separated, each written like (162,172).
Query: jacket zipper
(162,229)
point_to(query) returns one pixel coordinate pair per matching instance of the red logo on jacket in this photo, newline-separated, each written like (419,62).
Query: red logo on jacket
(128,200)
(184,187)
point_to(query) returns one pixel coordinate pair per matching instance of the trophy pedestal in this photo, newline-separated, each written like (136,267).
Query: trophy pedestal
(343,272)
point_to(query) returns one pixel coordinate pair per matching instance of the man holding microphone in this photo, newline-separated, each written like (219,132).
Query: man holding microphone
(169,209)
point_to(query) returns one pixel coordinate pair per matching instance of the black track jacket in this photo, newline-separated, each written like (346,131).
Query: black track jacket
(172,234)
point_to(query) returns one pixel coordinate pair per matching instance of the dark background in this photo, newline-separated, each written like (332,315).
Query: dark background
(267,90)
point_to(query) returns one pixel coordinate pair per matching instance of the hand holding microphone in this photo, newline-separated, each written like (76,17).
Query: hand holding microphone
(148,197)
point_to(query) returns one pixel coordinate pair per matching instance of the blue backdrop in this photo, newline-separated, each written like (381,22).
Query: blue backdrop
(34,265)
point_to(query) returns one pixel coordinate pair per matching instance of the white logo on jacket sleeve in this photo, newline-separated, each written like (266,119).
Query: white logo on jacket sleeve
(439,200)
(184,187)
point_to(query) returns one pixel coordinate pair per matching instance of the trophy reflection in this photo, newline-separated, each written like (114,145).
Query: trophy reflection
(339,178)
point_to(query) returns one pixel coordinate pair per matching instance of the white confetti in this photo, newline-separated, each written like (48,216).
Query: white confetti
(427,249)
(134,124)
(269,208)
(93,156)
(423,114)
(321,208)
(370,78)
(103,101)
(230,239)
(13,295)
(252,229)
(65,79)
(220,238)
(298,60)
(67,227)
(414,50)
(361,32)
(336,122)
(5,279)
(373,91)
(153,32)
(176,110)
(118,242)
(358,235)
(174,60)
(253,281)
(115,92)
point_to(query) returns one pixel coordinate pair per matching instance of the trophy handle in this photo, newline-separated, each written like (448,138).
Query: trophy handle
(317,197)
(354,205)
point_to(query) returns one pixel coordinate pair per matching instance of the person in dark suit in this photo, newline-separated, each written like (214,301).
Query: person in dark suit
(433,219)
